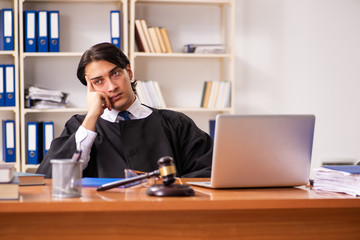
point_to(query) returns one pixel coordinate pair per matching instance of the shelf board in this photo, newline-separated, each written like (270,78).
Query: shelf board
(52,54)
(6,109)
(12,53)
(199,109)
(55,110)
(183,55)
(70,1)
(187,1)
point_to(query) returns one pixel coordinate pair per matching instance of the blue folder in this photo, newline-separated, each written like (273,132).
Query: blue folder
(115,28)
(30,31)
(54,33)
(42,31)
(6,29)
(48,136)
(9,77)
(2,86)
(96,182)
(8,140)
(34,151)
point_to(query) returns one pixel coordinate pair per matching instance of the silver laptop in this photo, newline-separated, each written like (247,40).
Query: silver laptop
(261,151)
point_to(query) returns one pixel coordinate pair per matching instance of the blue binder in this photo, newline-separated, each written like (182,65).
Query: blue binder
(30,31)
(6,29)
(48,136)
(34,154)
(54,33)
(42,31)
(2,86)
(8,140)
(115,28)
(9,76)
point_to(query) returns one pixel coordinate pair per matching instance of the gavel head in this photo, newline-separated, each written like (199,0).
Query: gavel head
(167,170)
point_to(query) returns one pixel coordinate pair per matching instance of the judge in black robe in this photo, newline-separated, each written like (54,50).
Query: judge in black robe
(138,144)
(134,144)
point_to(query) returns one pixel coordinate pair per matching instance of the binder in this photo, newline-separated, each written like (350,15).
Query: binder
(34,153)
(115,28)
(2,86)
(8,140)
(48,136)
(9,76)
(29,31)
(54,33)
(6,29)
(42,31)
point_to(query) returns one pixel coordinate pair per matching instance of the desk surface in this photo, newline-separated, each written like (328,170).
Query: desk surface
(39,199)
(270,213)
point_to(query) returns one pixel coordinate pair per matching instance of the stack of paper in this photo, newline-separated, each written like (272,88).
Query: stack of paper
(44,98)
(342,179)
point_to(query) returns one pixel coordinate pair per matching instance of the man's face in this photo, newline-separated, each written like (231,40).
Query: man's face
(113,81)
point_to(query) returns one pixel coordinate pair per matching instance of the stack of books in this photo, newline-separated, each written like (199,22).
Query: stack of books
(216,94)
(41,98)
(341,179)
(9,188)
(151,39)
(150,94)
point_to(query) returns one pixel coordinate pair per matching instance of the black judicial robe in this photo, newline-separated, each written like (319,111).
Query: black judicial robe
(137,144)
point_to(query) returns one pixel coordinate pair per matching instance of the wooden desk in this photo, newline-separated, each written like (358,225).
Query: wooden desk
(284,213)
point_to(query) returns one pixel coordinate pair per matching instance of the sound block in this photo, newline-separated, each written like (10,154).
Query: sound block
(173,190)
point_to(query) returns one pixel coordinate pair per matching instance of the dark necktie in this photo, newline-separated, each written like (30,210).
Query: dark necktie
(124,115)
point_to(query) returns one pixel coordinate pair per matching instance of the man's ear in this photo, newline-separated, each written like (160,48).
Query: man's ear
(128,69)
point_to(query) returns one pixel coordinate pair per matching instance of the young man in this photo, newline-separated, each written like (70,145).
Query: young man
(118,132)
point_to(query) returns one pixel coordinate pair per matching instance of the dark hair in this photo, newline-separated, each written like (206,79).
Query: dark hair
(103,51)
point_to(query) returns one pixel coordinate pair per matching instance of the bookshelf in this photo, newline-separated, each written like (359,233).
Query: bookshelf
(183,91)
(82,23)
(12,57)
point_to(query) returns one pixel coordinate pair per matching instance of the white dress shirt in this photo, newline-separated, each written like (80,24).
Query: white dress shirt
(85,138)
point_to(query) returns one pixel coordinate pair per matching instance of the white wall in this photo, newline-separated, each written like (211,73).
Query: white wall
(303,56)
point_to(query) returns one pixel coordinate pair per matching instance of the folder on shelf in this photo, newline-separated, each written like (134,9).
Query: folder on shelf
(147,35)
(154,40)
(6,29)
(140,37)
(160,39)
(9,76)
(42,31)
(54,33)
(29,31)
(2,86)
(48,136)
(34,153)
(115,24)
(8,140)
(165,37)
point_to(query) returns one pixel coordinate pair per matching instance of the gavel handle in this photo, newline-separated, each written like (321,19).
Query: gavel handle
(126,181)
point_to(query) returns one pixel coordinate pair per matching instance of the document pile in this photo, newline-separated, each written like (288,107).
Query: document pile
(343,179)
(41,98)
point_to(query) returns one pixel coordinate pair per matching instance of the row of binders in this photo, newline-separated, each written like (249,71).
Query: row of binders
(6,29)
(150,94)
(151,39)
(39,138)
(41,31)
(7,85)
(216,94)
